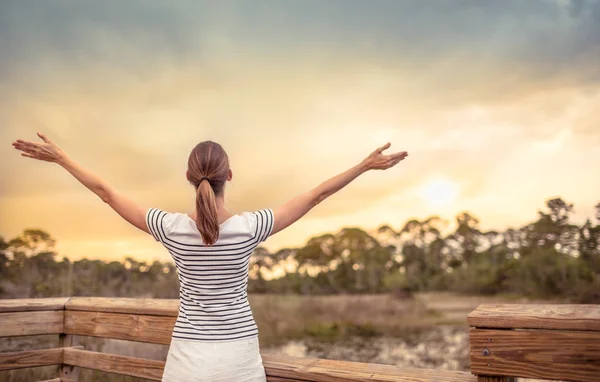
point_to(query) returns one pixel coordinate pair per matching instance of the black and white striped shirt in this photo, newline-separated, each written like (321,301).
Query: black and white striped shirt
(213,281)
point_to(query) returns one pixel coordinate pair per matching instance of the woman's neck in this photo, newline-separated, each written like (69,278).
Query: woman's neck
(222,213)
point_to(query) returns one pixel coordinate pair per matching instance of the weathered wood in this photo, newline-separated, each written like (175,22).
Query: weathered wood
(147,306)
(112,363)
(280,368)
(67,371)
(571,351)
(32,304)
(543,354)
(536,316)
(31,323)
(30,358)
(132,327)
(51,380)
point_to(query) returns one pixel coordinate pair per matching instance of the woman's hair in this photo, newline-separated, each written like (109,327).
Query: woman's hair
(208,160)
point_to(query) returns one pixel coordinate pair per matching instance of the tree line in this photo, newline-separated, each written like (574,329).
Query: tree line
(549,258)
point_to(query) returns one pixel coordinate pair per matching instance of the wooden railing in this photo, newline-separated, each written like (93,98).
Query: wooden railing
(537,341)
(553,342)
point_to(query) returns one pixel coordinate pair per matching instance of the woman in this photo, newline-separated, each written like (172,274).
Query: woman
(215,337)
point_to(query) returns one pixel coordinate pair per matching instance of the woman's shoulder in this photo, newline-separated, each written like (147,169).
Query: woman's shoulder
(258,216)
(159,222)
(260,222)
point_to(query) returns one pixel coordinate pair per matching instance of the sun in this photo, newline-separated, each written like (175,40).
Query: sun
(439,192)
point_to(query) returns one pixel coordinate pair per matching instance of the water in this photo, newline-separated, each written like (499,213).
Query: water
(443,347)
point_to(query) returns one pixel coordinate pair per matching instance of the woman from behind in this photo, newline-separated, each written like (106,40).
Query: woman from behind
(215,337)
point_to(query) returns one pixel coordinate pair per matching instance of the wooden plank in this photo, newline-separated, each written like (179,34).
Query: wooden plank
(67,371)
(487,378)
(147,306)
(536,316)
(58,380)
(132,327)
(543,354)
(30,358)
(112,363)
(31,323)
(32,304)
(280,368)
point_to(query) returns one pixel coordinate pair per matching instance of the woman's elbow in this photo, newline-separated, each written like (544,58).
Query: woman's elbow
(105,195)
(317,198)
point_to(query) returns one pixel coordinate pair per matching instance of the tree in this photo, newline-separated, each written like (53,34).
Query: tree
(552,230)
(424,254)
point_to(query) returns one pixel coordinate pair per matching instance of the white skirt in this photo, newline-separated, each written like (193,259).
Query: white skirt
(195,361)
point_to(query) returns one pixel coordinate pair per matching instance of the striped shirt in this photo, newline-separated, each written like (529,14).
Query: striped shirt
(213,281)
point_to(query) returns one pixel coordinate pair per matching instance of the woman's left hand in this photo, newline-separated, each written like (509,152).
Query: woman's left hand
(47,151)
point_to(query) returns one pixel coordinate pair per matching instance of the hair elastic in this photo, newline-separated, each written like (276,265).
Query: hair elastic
(204,177)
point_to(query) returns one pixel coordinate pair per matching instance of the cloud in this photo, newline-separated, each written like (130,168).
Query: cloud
(487,94)
(539,39)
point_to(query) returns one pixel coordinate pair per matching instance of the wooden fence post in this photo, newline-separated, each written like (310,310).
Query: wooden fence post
(67,371)
(539,341)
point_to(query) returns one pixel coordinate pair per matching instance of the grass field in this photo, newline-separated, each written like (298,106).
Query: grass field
(285,317)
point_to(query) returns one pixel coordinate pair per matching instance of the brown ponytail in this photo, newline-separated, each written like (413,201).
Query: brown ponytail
(208,169)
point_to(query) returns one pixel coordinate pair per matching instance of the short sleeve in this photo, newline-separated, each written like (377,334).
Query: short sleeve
(264,223)
(156,221)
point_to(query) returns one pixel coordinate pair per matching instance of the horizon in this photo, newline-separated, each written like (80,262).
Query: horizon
(496,103)
(447,226)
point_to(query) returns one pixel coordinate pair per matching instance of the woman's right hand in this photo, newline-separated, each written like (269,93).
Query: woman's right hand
(47,151)
(379,161)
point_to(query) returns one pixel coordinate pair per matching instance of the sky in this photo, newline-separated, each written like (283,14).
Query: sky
(496,102)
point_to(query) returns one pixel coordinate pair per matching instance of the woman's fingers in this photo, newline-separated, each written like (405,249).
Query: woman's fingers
(27,149)
(401,154)
(44,137)
(397,158)
(27,143)
(24,147)
(380,150)
(24,142)
(393,157)
(378,160)
(45,150)
(19,146)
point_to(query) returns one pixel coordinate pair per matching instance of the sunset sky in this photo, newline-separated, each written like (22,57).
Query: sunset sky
(497,103)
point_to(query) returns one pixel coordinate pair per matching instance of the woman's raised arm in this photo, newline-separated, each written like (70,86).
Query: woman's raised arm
(297,207)
(48,151)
